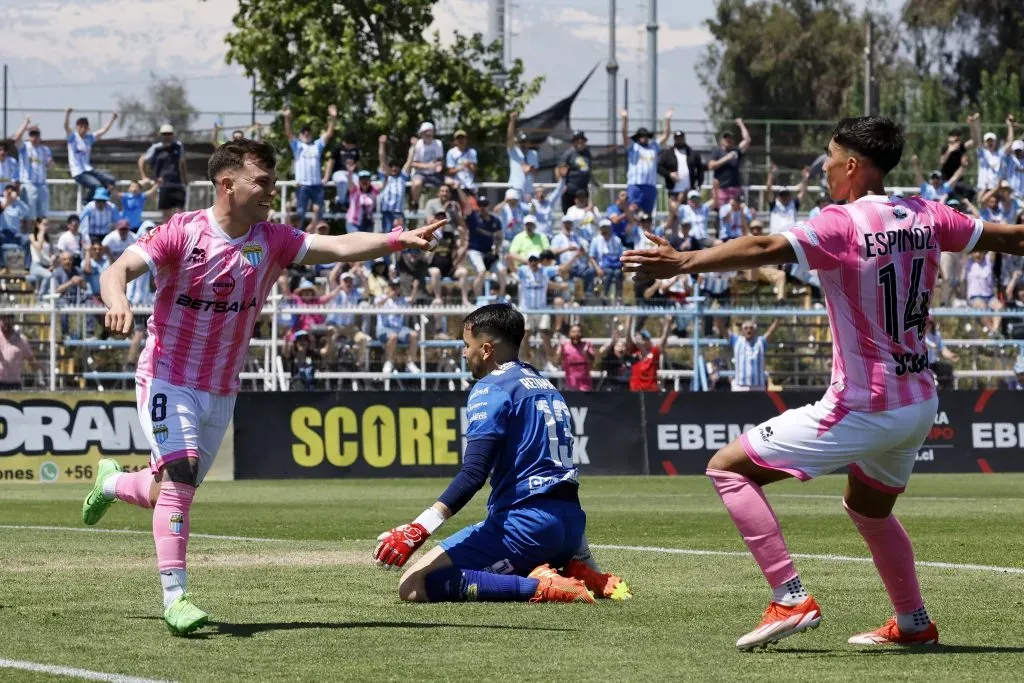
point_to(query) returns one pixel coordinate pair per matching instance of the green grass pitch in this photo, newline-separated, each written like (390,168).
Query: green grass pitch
(309,605)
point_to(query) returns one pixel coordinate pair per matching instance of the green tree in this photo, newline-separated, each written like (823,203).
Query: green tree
(960,40)
(167,103)
(373,60)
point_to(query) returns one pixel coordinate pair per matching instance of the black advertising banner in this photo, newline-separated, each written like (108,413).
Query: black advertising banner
(974,431)
(406,434)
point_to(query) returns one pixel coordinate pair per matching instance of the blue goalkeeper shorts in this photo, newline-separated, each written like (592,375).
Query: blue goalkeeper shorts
(519,539)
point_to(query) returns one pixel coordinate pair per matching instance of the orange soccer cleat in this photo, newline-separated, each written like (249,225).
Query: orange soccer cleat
(781,621)
(553,587)
(891,634)
(602,585)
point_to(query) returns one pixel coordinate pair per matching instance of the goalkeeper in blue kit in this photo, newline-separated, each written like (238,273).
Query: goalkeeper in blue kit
(520,432)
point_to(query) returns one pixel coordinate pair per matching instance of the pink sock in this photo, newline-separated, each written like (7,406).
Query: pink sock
(894,558)
(756,521)
(134,487)
(170,524)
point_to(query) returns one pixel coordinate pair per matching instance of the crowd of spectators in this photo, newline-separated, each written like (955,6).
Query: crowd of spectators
(539,247)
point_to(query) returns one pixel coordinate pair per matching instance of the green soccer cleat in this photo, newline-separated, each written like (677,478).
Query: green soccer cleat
(96,504)
(182,617)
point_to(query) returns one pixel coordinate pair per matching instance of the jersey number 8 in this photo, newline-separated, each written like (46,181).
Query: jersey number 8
(560,449)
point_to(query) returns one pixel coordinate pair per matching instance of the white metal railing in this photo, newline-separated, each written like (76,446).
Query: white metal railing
(271,371)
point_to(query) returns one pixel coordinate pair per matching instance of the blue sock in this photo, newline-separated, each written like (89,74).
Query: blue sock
(452,584)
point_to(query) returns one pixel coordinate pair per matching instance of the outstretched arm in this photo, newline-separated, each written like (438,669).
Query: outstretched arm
(741,253)
(959,172)
(106,129)
(771,330)
(1001,237)
(668,128)
(67,121)
(510,131)
(974,124)
(332,116)
(288,132)
(21,131)
(625,127)
(801,192)
(745,136)
(1009,134)
(365,246)
(918,176)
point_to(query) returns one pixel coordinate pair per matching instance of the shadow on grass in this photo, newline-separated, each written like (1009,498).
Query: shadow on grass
(941,649)
(248,630)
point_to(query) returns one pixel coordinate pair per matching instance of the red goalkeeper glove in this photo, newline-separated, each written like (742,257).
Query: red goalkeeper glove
(396,545)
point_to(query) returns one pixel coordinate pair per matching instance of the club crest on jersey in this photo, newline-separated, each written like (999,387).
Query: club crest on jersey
(899,212)
(253,253)
(160,433)
(175,523)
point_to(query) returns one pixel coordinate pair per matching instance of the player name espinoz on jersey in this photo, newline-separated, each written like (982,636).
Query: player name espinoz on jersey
(529,419)
(197,304)
(898,241)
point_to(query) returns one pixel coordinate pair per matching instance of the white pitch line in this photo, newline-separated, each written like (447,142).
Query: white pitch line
(215,537)
(73,672)
(805,556)
(633,548)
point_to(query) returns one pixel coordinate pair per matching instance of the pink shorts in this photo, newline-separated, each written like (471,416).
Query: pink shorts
(880,448)
(181,422)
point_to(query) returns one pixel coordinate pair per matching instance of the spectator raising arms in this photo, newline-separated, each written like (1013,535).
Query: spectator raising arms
(80,142)
(13,215)
(362,200)
(748,352)
(990,157)
(681,167)
(646,357)
(578,162)
(782,215)
(544,202)
(134,201)
(953,153)
(167,157)
(34,160)
(392,194)
(522,158)
(642,159)
(576,356)
(725,162)
(307,167)
(427,162)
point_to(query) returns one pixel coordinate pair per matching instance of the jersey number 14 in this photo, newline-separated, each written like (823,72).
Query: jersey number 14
(559,447)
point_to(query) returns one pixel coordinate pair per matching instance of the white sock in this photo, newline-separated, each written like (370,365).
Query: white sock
(790,593)
(914,621)
(173,581)
(110,485)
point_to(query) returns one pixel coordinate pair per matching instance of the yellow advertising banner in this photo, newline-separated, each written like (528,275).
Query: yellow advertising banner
(60,437)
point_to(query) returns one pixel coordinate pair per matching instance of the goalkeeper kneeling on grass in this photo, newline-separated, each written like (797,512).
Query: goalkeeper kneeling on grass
(520,431)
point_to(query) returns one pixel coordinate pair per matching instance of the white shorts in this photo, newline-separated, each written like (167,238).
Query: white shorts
(538,323)
(880,448)
(181,422)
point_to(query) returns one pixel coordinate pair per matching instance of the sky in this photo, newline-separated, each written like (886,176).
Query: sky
(110,48)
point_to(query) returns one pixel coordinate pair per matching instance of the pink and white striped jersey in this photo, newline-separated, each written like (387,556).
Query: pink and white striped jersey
(877,259)
(209,291)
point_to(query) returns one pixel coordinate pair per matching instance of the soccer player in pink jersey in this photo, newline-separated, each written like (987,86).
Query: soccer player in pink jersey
(877,258)
(214,270)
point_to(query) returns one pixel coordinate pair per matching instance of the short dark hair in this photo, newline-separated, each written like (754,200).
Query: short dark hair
(350,137)
(956,131)
(582,193)
(498,321)
(231,156)
(82,121)
(876,138)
